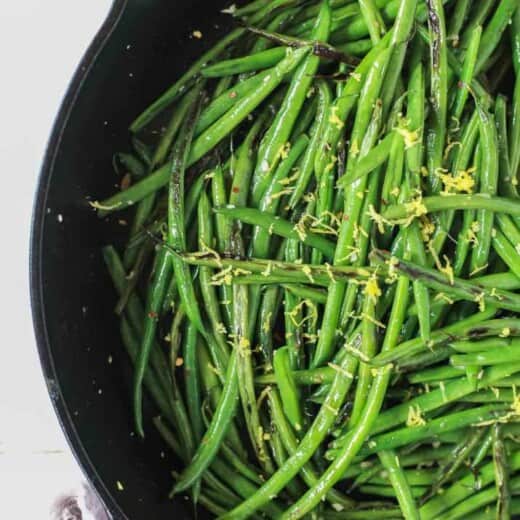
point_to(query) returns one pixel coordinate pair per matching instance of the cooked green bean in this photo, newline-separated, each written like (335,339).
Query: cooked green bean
(330,236)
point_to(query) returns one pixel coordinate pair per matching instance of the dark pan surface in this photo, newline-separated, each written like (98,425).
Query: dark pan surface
(143,46)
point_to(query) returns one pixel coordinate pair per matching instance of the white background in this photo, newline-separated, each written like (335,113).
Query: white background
(41,43)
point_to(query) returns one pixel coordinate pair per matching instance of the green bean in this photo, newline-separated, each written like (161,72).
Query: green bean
(415,477)
(506,354)
(370,162)
(514,158)
(369,346)
(304,292)
(476,501)
(267,321)
(252,62)
(359,48)
(250,8)
(163,272)
(142,258)
(142,150)
(435,374)
(397,477)
(460,454)
(436,132)
(479,15)
(469,347)
(494,30)
(288,389)
(307,163)
(402,29)
(388,491)
(342,107)
(291,445)
(339,16)
(295,487)
(464,202)
(241,334)
(250,472)
(135,314)
(242,486)
(487,513)
(394,171)
(131,163)
(213,437)
(223,227)
(483,450)
(312,439)
(488,185)
(293,318)
(457,20)
(373,405)
(506,251)
(212,391)
(287,272)
(373,19)
(191,376)
(434,427)
(503,508)
(463,489)
(221,128)
(157,293)
(280,22)
(315,376)
(434,399)
(377,513)
(157,393)
(463,329)
(453,286)
(227,100)
(277,225)
(468,70)
(353,206)
(515,41)
(225,494)
(174,340)
(279,132)
(420,290)
(220,355)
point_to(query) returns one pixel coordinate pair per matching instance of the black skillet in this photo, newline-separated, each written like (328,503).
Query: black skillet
(140,50)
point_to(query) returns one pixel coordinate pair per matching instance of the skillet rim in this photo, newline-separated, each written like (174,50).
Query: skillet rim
(36,255)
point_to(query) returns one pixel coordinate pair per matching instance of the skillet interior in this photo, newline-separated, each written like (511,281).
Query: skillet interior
(143,46)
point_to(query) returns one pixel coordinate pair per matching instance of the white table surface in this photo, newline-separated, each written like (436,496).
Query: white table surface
(41,43)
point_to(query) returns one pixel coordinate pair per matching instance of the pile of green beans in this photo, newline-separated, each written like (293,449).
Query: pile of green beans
(320,287)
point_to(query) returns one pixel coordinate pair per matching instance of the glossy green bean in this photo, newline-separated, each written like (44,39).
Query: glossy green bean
(192,378)
(280,130)
(397,477)
(278,226)
(464,202)
(290,442)
(312,439)
(252,62)
(209,445)
(306,168)
(227,100)
(488,186)
(507,252)
(494,29)
(287,387)
(468,70)
(374,402)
